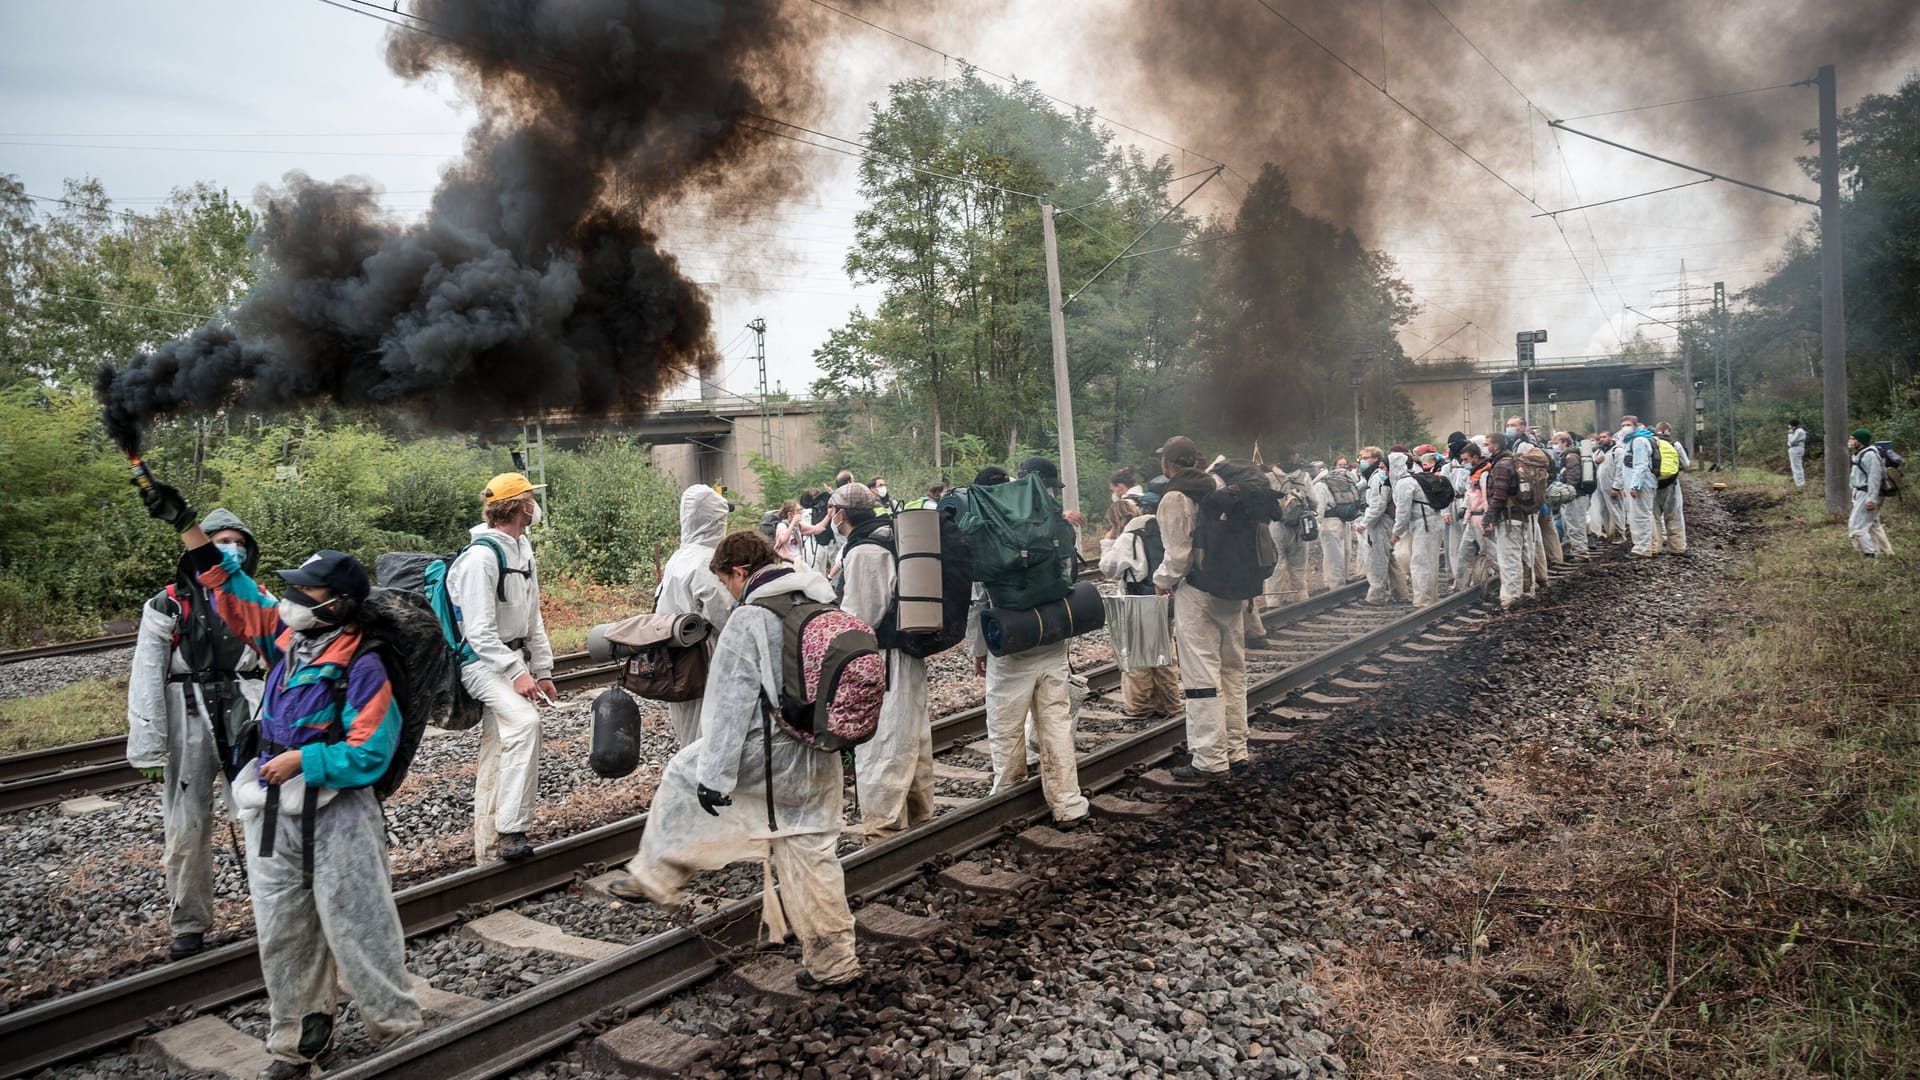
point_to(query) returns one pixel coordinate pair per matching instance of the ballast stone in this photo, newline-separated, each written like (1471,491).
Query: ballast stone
(86,804)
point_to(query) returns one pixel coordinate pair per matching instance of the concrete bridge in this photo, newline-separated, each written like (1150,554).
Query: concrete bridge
(1576,393)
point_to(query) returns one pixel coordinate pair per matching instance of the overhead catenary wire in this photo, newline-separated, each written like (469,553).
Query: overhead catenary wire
(1683,101)
(1625,198)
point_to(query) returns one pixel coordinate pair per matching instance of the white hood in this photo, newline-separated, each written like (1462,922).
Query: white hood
(703,516)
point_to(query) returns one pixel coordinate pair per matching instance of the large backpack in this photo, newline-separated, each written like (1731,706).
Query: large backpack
(1296,500)
(1022,546)
(1666,460)
(426,576)
(1154,547)
(1344,502)
(770,526)
(1892,482)
(1655,465)
(1435,490)
(1233,550)
(832,676)
(956,593)
(1532,471)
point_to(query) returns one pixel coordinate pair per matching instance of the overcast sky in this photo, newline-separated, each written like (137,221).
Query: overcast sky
(150,96)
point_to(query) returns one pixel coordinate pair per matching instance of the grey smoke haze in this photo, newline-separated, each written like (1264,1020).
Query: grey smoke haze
(535,280)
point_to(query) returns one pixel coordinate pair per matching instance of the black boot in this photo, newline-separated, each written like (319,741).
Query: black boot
(185,945)
(515,846)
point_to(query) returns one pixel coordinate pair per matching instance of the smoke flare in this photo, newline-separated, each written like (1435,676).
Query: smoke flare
(534,281)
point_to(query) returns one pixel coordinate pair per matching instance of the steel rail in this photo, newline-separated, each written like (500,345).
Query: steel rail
(69,648)
(510,1033)
(73,1025)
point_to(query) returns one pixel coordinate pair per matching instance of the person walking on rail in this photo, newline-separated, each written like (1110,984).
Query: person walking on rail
(495,589)
(191,692)
(687,587)
(1206,625)
(328,726)
(893,771)
(712,806)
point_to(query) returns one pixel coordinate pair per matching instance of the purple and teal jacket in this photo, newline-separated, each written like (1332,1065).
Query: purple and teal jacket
(300,706)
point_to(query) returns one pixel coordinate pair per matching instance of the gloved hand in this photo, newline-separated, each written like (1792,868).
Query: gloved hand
(168,505)
(154,774)
(711,801)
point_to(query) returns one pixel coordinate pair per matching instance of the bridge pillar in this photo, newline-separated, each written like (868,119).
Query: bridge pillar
(1616,406)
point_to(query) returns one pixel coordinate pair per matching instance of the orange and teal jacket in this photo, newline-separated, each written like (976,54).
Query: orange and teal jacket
(301,708)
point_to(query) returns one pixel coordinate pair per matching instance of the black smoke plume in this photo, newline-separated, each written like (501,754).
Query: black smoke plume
(534,282)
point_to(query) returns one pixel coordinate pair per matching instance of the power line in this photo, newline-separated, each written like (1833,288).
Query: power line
(1403,106)
(1011,81)
(1625,198)
(121,304)
(1681,101)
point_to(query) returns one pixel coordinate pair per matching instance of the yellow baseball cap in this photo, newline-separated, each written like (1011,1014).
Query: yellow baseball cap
(508,485)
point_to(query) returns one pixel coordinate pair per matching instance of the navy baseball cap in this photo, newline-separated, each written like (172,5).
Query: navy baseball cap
(334,570)
(1044,468)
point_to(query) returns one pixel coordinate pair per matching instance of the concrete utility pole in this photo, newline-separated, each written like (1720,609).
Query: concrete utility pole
(1833,309)
(1686,356)
(1062,387)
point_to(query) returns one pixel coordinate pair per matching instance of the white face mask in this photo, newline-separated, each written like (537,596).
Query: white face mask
(535,515)
(881,491)
(297,616)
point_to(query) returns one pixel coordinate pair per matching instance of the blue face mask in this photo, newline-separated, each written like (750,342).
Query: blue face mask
(238,551)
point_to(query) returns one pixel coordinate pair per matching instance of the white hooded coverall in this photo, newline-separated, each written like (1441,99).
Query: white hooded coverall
(168,729)
(1417,524)
(1453,526)
(1605,516)
(1213,651)
(507,770)
(1025,688)
(893,771)
(1382,585)
(1797,455)
(1144,691)
(730,757)
(1288,583)
(1333,536)
(1669,508)
(1863,479)
(688,587)
(1637,484)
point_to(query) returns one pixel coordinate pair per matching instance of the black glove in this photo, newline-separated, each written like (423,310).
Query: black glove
(167,504)
(711,801)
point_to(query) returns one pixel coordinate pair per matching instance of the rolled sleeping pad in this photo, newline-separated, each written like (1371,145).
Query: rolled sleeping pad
(609,641)
(1015,631)
(916,555)
(403,569)
(616,734)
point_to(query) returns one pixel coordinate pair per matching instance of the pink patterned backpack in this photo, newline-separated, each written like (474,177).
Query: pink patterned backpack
(832,676)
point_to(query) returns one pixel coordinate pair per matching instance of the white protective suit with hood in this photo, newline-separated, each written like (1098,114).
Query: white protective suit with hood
(1865,475)
(507,769)
(730,757)
(893,771)
(1030,687)
(1417,527)
(1669,507)
(168,728)
(1333,535)
(1378,538)
(1288,583)
(1637,487)
(1797,454)
(688,587)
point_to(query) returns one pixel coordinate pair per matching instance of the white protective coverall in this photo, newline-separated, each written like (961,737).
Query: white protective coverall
(1797,455)
(1669,508)
(1401,564)
(507,770)
(1453,525)
(1637,485)
(730,757)
(168,729)
(687,586)
(1417,527)
(1213,651)
(1288,583)
(1864,479)
(1333,535)
(1382,585)
(1512,549)
(1579,466)
(1604,516)
(893,771)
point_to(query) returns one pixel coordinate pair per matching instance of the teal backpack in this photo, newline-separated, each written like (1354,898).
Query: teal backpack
(1023,548)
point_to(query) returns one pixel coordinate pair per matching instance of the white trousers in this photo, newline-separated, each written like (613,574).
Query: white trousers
(893,771)
(1333,552)
(1512,552)
(1034,683)
(1863,523)
(507,771)
(190,777)
(343,932)
(1575,516)
(1423,539)
(1640,520)
(1797,459)
(1213,676)
(1382,583)
(1288,583)
(1670,520)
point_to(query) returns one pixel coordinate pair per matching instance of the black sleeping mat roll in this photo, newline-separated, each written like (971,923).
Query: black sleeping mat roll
(1010,631)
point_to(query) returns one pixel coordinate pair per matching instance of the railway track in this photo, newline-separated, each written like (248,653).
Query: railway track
(69,648)
(42,777)
(1309,642)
